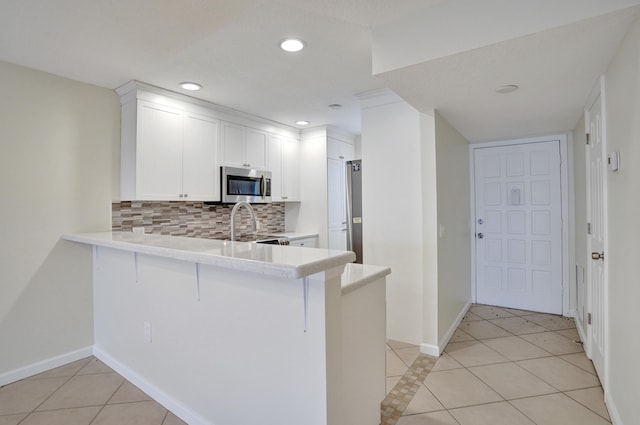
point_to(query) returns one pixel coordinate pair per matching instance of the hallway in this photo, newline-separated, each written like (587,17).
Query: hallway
(501,367)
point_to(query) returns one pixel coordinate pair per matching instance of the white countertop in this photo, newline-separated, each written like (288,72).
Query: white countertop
(358,275)
(294,235)
(273,260)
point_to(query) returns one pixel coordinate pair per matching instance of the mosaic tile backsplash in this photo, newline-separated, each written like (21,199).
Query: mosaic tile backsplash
(194,219)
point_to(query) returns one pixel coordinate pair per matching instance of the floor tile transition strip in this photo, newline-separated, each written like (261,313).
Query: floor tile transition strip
(403,392)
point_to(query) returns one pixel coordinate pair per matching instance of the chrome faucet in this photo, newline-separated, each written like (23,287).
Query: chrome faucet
(236,207)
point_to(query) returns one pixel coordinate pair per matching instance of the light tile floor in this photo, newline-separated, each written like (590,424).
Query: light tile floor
(501,367)
(86,392)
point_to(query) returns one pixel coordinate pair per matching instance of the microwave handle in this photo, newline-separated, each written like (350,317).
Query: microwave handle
(263,186)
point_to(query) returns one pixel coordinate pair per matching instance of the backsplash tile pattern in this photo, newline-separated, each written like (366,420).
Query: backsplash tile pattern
(194,219)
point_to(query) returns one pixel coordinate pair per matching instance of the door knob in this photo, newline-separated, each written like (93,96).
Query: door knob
(480,221)
(480,235)
(597,255)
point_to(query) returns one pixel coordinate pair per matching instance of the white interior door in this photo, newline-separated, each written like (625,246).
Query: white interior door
(518,202)
(596,238)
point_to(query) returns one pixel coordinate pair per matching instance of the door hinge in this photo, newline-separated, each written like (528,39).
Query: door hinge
(588,318)
(588,139)
(588,228)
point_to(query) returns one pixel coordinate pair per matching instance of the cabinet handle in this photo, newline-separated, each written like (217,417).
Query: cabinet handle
(185,195)
(181,195)
(341,157)
(285,197)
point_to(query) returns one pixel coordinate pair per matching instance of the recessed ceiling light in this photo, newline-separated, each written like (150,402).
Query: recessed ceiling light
(335,106)
(292,45)
(303,122)
(190,86)
(510,88)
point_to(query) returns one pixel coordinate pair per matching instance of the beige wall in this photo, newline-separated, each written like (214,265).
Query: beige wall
(454,251)
(416,176)
(429,232)
(58,144)
(392,211)
(622,99)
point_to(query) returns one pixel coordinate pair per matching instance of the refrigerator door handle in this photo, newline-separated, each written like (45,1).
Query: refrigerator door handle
(349,205)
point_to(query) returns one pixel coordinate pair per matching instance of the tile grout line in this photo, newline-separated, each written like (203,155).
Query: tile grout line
(107,402)
(69,378)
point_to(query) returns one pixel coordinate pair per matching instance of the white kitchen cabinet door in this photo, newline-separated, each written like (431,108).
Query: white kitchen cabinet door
(338,239)
(255,148)
(232,144)
(291,170)
(243,146)
(337,149)
(200,174)
(275,166)
(158,152)
(336,194)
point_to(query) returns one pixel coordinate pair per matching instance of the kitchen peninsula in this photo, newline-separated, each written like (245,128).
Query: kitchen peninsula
(225,332)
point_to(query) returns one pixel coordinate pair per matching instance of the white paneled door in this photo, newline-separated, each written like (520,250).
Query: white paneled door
(596,236)
(518,226)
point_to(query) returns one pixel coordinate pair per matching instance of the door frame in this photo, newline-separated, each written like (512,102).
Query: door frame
(566,219)
(598,90)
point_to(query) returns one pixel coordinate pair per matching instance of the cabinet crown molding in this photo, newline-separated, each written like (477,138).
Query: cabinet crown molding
(139,90)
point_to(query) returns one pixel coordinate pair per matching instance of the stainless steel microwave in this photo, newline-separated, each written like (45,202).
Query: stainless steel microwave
(244,184)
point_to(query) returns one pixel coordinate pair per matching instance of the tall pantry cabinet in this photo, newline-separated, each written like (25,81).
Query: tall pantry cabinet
(324,151)
(338,153)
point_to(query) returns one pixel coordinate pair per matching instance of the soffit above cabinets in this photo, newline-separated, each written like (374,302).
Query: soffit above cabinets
(353,47)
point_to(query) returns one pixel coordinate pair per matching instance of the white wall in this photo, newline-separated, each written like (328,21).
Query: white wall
(60,144)
(580,259)
(453,239)
(623,134)
(392,210)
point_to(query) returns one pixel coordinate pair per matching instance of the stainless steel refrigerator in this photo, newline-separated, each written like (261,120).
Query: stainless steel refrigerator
(354,207)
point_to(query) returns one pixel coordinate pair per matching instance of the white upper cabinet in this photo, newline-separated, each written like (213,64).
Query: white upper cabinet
(275,166)
(200,175)
(172,147)
(232,143)
(284,164)
(158,152)
(337,149)
(243,146)
(168,153)
(291,170)
(256,148)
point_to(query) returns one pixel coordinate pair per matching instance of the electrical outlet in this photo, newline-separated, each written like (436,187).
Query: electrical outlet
(147,331)
(138,230)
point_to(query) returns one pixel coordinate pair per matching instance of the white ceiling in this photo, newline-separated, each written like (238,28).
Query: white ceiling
(231,48)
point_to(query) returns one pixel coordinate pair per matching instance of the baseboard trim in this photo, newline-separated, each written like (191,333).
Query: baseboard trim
(452,329)
(44,365)
(154,392)
(430,350)
(613,410)
(436,350)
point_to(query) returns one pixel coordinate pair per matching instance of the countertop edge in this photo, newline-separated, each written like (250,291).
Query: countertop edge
(239,264)
(366,274)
